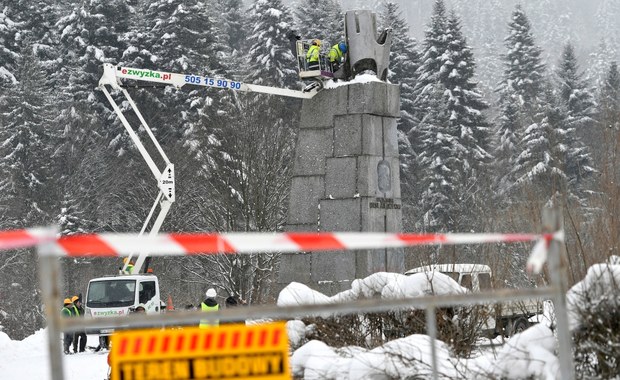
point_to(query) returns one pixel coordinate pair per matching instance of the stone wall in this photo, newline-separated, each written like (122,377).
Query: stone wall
(345,178)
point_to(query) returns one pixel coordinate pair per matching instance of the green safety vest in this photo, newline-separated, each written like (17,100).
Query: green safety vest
(77,312)
(335,54)
(66,312)
(313,54)
(205,323)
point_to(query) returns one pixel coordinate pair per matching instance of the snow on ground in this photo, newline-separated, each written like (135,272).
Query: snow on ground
(530,353)
(527,354)
(29,359)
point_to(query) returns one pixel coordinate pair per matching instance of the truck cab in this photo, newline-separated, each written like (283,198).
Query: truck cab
(119,295)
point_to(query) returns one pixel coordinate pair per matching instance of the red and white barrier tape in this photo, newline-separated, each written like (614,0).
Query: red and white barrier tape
(25,238)
(178,244)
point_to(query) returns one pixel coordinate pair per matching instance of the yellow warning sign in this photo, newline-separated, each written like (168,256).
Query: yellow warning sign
(227,352)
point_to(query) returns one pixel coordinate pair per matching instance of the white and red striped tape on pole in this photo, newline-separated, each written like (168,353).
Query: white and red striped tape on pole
(114,244)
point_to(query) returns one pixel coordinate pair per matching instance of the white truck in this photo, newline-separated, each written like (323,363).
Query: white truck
(506,318)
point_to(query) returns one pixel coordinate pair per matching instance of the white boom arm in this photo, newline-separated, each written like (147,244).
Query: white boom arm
(165,178)
(112,76)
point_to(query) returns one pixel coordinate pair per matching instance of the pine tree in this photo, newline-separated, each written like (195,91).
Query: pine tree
(9,52)
(521,95)
(506,142)
(579,124)
(608,126)
(322,19)
(438,184)
(464,103)
(610,97)
(90,34)
(538,167)
(434,46)
(577,98)
(27,186)
(524,71)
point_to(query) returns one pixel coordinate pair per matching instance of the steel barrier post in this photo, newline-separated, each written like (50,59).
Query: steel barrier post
(431,328)
(49,280)
(552,222)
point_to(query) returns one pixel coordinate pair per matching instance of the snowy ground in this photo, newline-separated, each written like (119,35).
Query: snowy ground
(530,353)
(527,354)
(29,359)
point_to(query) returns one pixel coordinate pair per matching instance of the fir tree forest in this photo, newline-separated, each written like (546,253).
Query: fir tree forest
(506,107)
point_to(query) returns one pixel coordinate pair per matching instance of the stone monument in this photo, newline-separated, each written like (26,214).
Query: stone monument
(346,168)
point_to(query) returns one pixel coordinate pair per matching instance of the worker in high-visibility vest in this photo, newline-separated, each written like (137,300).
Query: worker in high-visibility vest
(129,268)
(67,312)
(209,305)
(313,54)
(336,55)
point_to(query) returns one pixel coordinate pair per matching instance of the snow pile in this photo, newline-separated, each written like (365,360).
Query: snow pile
(386,285)
(600,285)
(29,359)
(530,353)
(524,355)
(398,359)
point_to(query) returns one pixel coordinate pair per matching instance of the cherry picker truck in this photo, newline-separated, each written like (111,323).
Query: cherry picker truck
(119,294)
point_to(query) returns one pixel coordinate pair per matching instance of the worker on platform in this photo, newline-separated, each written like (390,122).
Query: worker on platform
(129,268)
(313,55)
(79,338)
(66,312)
(336,55)
(209,305)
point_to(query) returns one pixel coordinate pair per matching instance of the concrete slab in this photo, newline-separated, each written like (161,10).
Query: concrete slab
(341,177)
(295,267)
(333,266)
(347,135)
(313,145)
(340,214)
(304,199)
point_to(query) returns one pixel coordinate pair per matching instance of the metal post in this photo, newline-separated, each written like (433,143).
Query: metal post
(552,222)
(431,328)
(49,280)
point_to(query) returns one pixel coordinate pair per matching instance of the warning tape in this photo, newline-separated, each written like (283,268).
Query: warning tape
(25,238)
(179,244)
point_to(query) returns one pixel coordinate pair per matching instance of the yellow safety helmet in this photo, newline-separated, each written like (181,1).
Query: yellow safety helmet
(316,42)
(74,298)
(67,301)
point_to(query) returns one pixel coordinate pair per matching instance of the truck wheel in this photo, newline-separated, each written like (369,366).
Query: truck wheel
(518,325)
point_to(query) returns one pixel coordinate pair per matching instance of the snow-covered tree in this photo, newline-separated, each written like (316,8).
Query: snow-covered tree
(440,179)
(506,142)
(464,102)
(447,70)
(609,98)
(577,98)
(27,184)
(524,72)
(538,166)
(322,19)
(608,127)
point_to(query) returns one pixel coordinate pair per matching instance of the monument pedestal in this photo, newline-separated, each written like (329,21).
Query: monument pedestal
(345,179)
